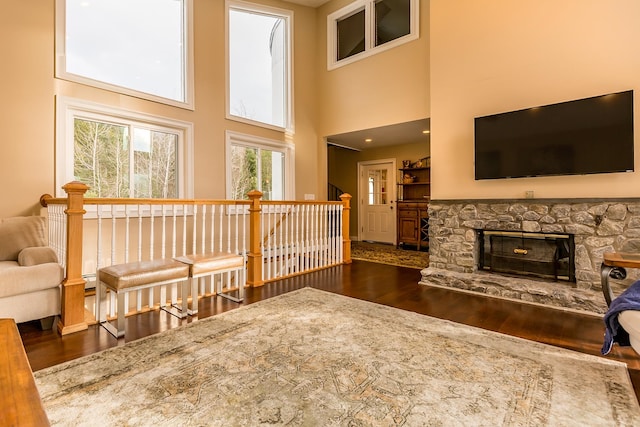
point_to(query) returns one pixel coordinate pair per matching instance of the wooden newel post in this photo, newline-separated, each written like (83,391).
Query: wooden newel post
(254,261)
(346,241)
(72,317)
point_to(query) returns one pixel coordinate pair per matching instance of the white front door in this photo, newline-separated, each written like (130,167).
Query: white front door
(377,197)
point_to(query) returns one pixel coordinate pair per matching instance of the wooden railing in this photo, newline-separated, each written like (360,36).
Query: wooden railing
(278,239)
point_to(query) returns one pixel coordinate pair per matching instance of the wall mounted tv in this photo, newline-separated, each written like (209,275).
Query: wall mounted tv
(584,136)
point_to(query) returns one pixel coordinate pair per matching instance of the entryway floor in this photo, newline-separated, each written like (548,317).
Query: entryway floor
(389,254)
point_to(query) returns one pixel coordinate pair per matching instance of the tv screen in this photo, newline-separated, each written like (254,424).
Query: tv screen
(585,136)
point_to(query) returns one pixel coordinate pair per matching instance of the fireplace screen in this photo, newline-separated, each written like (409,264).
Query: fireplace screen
(530,254)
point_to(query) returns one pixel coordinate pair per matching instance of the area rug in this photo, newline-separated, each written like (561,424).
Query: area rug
(389,254)
(313,358)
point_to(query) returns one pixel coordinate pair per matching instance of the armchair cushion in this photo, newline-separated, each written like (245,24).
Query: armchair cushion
(36,255)
(17,280)
(20,232)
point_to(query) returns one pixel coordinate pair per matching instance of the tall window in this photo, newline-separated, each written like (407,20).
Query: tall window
(366,27)
(137,47)
(258,164)
(259,57)
(122,156)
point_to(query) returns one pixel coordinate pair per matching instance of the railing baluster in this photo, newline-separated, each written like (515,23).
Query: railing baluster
(213,226)
(127,232)
(237,219)
(220,234)
(184,229)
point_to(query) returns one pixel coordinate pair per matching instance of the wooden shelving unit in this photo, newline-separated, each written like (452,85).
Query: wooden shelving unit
(414,191)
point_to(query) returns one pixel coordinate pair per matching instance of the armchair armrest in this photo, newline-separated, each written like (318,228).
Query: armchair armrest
(36,255)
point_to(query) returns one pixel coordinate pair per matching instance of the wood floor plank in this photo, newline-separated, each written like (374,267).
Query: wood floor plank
(379,283)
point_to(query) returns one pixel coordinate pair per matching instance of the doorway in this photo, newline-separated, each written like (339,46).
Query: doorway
(376,199)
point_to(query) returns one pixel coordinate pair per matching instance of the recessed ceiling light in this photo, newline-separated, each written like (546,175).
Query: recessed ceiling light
(426,131)
(368,140)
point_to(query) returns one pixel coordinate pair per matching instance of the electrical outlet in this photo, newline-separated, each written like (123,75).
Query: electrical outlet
(528,194)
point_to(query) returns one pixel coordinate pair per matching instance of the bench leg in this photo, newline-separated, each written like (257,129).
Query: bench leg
(181,311)
(239,274)
(194,296)
(118,330)
(100,303)
(121,313)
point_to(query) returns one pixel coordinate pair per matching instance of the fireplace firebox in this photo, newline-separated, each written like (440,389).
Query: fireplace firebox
(545,255)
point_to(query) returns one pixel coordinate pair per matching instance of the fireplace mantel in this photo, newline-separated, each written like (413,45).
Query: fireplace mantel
(597,226)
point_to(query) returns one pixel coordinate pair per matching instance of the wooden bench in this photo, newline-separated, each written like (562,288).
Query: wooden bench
(133,276)
(20,403)
(201,265)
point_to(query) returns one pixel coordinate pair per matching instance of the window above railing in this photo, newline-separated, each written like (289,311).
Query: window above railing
(135,47)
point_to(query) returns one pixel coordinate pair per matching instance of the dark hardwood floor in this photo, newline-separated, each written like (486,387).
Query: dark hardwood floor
(384,284)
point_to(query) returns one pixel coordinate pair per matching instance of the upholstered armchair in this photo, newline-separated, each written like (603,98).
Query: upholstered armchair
(30,274)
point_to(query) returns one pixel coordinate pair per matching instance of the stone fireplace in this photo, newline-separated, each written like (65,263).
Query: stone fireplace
(458,243)
(542,255)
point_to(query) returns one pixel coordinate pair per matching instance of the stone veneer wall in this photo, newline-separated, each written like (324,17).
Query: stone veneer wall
(598,226)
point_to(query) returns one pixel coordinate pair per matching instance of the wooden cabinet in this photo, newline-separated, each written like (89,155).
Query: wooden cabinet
(414,191)
(413,224)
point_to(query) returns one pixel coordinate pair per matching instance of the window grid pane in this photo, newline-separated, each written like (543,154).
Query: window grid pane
(144,54)
(351,35)
(250,163)
(244,171)
(155,159)
(258,67)
(103,157)
(393,20)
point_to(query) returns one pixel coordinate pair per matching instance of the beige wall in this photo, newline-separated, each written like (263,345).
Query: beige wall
(27,114)
(500,55)
(386,88)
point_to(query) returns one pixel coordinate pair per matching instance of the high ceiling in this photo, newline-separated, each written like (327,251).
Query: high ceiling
(310,3)
(401,133)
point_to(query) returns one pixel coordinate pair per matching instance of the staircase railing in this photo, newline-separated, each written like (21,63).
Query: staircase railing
(333,192)
(277,238)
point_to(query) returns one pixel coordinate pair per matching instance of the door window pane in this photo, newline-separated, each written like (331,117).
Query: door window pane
(378,187)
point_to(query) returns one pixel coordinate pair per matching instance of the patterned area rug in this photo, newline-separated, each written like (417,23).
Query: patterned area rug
(389,254)
(311,358)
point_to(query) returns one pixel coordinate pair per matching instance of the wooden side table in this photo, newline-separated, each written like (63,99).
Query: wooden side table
(613,266)
(20,403)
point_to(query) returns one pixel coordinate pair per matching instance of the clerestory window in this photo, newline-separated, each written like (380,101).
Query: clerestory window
(141,48)
(259,65)
(120,154)
(366,27)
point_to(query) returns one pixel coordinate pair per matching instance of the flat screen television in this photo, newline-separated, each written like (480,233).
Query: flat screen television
(584,136)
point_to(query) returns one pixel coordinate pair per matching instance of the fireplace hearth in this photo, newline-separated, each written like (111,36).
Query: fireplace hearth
(545,255)
(568,236)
